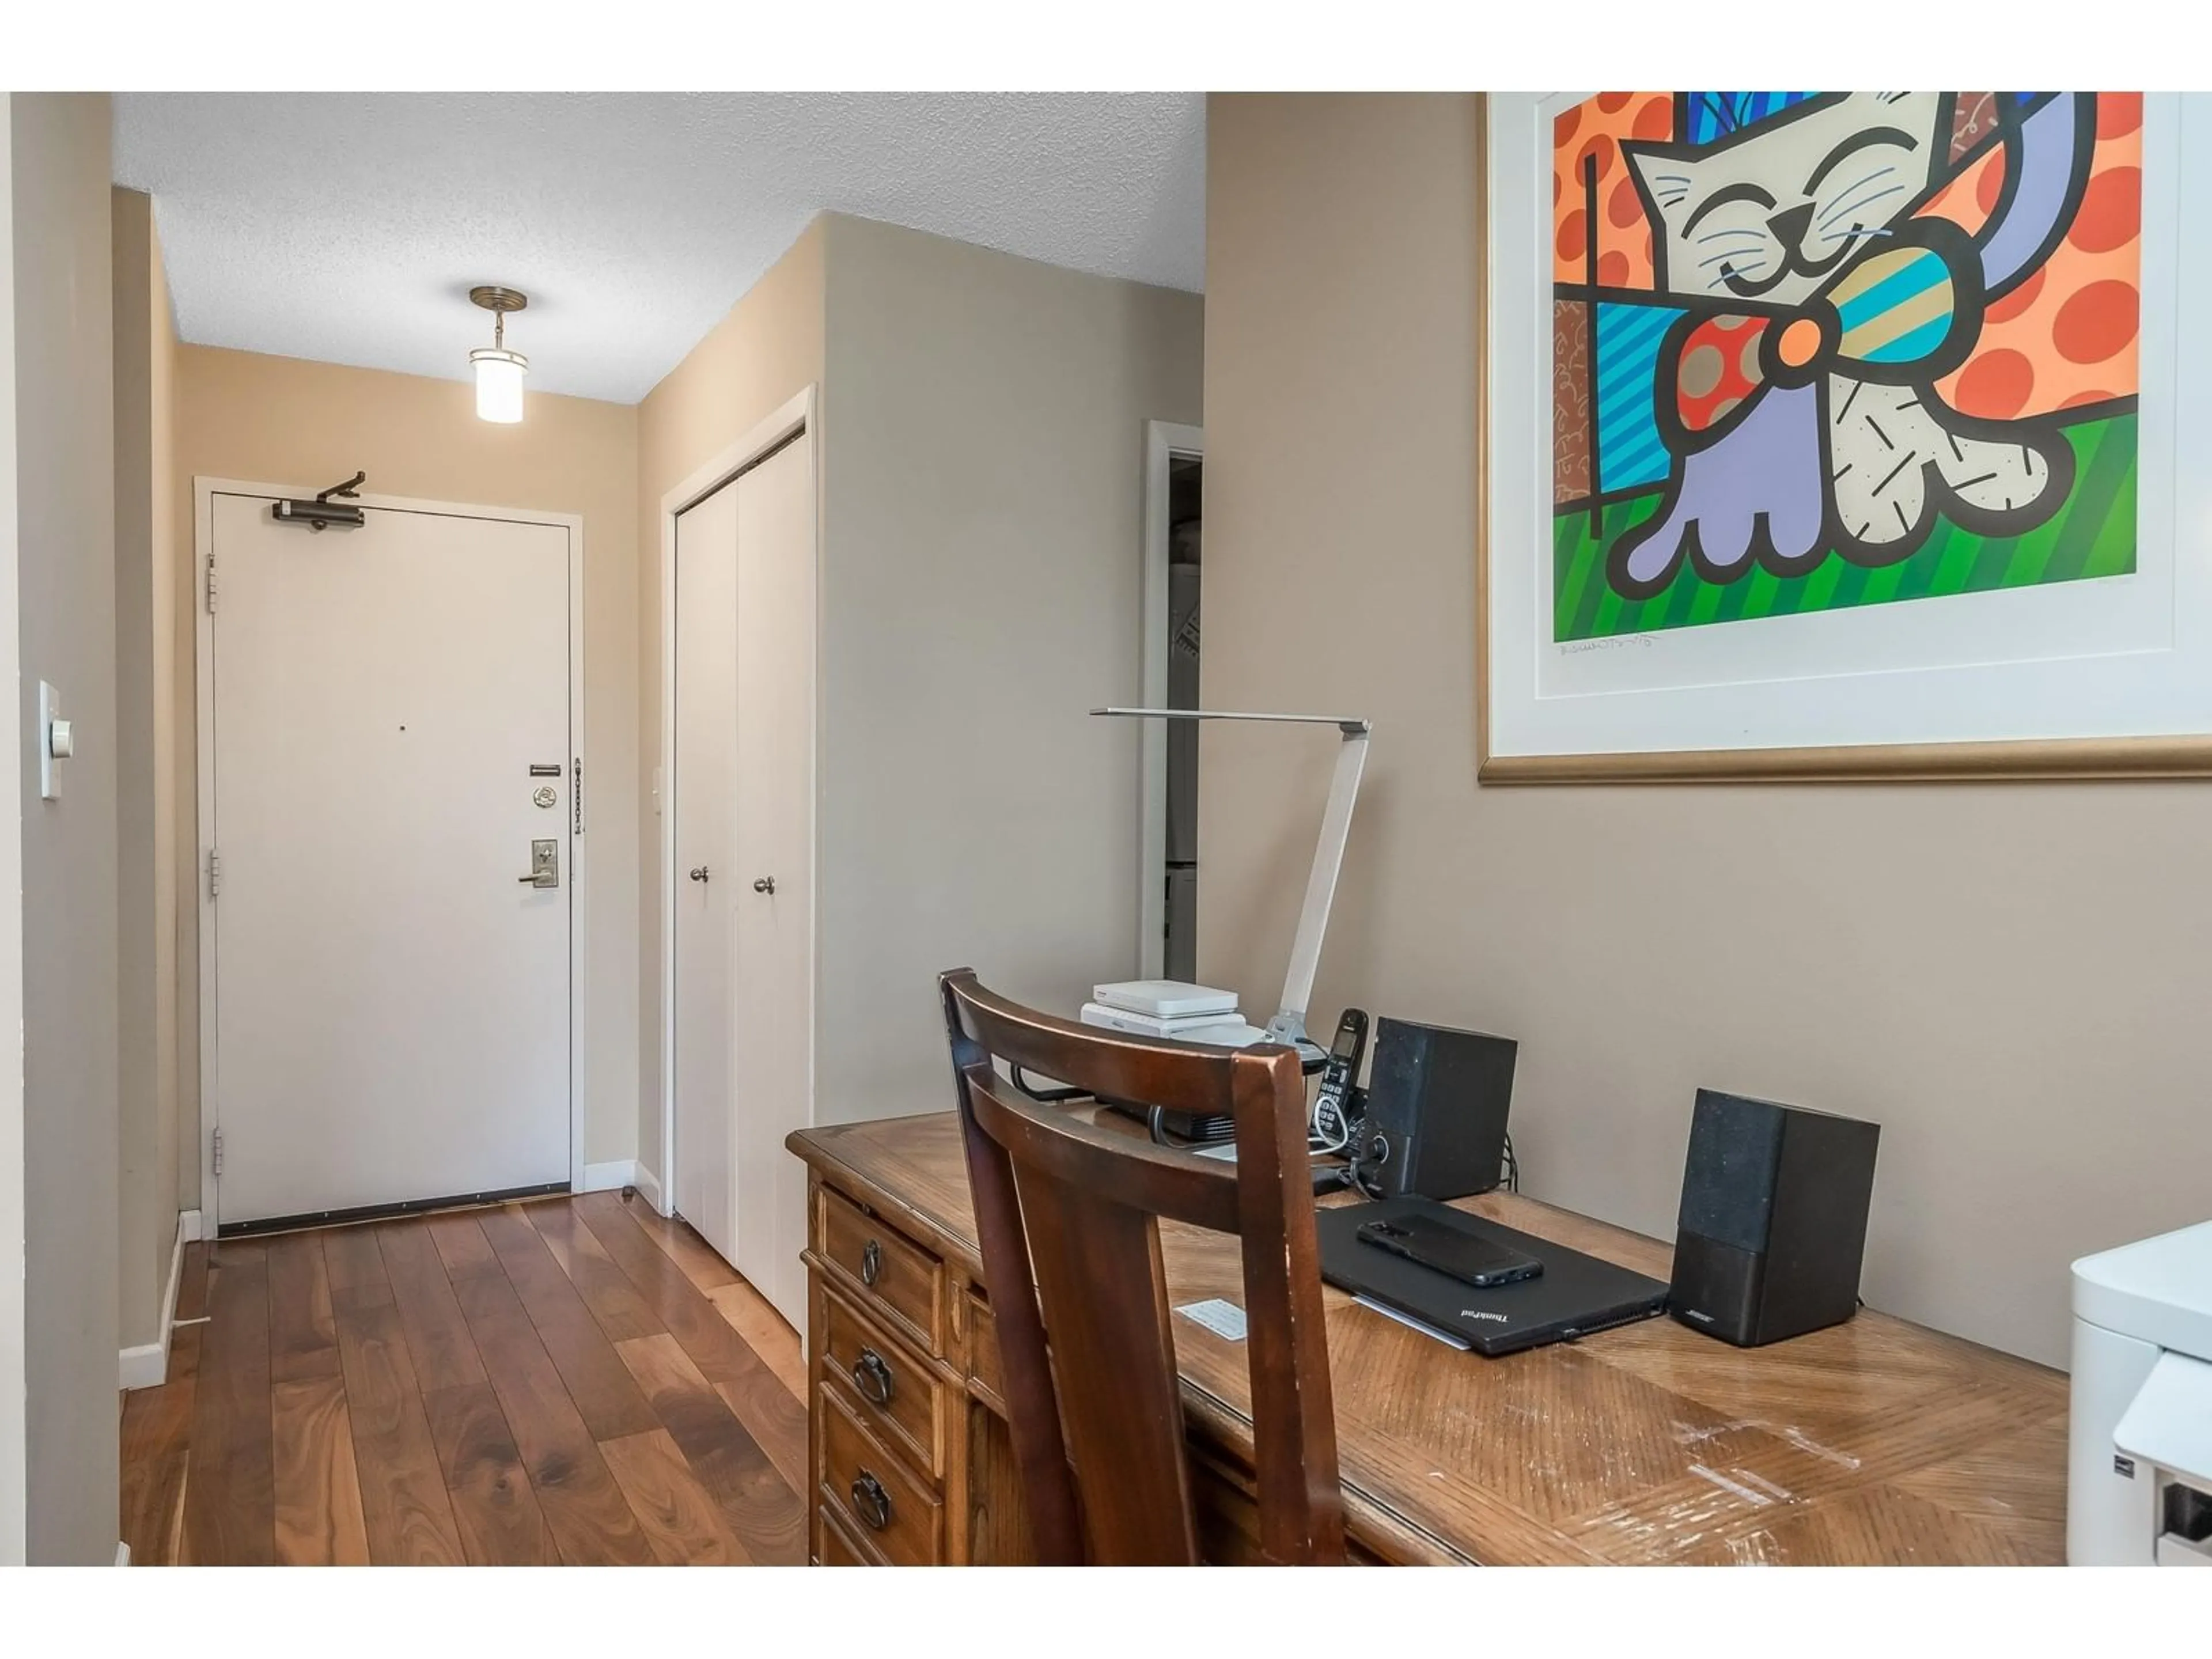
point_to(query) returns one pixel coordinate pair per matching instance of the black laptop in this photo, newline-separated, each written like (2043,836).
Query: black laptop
(1575,1295)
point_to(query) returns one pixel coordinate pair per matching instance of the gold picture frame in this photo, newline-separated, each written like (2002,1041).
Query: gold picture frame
(2164,755)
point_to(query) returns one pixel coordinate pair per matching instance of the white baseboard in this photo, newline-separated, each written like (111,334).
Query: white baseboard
(146,1365)
(648,1187)
(122,1555)
(603,1178)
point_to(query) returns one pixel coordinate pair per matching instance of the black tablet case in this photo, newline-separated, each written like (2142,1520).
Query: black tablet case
(1575,1295)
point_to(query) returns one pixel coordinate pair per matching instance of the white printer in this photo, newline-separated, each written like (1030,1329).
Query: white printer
(2139,1454)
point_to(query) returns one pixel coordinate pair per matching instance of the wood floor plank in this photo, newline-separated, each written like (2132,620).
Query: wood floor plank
(438,1339)
(184,1333)
(605,1289)
(772,1415)
(356,1267)
(410,1519)
(157,1443)
(763,1509)
(461,1244)
(230,1512)
(764,1332)
(318,1509)
(597,1380)
(696,1258)
(500,1523)
(322,1413)
(157,1429)
(684,1524)
(303,1337)
(590,1518)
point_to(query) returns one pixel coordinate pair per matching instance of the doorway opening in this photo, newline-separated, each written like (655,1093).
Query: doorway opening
(1175,501)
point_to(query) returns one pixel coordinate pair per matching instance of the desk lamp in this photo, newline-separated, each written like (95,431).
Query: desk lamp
(1289,1025)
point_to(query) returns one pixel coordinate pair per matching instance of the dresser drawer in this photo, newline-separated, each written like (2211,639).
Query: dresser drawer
(899,1397)
(835,1548)
(901,1283)
(871,1492)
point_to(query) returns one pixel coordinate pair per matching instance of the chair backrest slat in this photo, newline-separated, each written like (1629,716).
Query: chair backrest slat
(1067,1217)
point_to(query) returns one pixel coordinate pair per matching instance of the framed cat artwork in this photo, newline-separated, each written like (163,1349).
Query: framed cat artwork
(1843,434)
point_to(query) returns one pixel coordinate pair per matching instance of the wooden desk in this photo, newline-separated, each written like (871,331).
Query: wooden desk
(1873,1442)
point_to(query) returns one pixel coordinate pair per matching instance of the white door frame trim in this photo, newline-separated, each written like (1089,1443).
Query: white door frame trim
(204,490)
(796,418)
(15,1426)
(1164,441)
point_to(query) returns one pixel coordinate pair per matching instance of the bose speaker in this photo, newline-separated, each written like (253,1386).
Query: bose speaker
(1437,1100)
(1774,1219)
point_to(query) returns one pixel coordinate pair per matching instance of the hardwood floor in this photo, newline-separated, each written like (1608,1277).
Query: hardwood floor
(573,1380)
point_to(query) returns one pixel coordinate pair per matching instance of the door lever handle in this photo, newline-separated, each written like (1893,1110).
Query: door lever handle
(544,864)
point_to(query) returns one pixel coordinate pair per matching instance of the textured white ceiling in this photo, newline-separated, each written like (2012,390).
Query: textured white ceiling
(349,227)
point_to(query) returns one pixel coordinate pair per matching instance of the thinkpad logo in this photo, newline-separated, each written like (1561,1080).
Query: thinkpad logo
(1472,1313)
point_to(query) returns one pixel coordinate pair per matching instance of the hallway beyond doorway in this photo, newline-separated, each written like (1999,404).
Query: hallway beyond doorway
(575,1381)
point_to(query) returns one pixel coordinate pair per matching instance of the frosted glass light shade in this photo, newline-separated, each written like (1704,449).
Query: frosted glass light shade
(499,384)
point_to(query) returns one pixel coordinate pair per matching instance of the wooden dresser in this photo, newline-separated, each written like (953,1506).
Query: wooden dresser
(1874,1442)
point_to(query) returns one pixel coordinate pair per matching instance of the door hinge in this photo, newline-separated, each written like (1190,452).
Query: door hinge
(214,873)
(576,794)
(218,1151)
(211,583)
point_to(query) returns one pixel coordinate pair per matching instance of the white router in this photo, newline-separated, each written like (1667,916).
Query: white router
(1167,999)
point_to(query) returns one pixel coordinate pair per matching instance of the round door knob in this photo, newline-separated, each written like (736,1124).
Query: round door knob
(765,884)
(699,873)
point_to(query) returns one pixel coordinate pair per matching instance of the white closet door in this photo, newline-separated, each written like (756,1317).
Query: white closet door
(706,874)
(773,1060)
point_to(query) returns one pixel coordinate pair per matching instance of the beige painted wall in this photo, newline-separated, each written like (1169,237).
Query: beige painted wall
(65,576)
(146,569)
(278,420)
(981,453)
(982,572)
(2008,978)
(768,350)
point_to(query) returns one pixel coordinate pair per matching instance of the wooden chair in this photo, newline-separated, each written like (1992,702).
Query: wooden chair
(1067,1219)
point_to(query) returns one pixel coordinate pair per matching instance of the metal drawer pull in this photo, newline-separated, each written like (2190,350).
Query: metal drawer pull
(872,1377)
(871,1502)
(872,1262)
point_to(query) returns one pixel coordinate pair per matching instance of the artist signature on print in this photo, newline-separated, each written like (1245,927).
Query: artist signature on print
(1617,642)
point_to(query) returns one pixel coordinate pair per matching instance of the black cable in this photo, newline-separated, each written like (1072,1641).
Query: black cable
(1047,1097)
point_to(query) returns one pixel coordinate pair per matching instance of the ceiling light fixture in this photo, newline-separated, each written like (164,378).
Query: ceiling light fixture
(499,371)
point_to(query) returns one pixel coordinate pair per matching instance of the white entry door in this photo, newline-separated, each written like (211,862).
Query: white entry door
(744,795)
(389,740)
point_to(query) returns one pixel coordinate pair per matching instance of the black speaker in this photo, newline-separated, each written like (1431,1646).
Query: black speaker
(1774,1219)
(1437,1101)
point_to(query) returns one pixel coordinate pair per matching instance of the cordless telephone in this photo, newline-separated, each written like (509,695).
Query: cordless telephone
(1332,1120)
